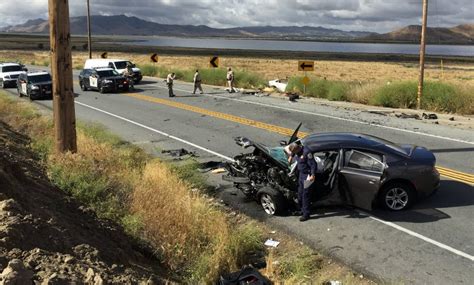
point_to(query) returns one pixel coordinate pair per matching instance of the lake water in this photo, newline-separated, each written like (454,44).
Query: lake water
(448,50)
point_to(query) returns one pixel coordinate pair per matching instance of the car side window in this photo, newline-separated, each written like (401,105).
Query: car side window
(362,160)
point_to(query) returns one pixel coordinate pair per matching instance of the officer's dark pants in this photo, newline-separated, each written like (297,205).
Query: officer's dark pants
(303,197)
(170,90)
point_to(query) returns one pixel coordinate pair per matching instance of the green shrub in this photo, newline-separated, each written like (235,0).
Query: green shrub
(396,95)
(320,88)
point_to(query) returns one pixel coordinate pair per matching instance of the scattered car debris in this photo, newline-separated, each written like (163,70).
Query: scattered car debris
(272,243)
(292,96)
(408,116)
(210,165)
(248,275)
(279,84)
(379,112)
(180,152)
(218,171)
(429,116)
(451,119)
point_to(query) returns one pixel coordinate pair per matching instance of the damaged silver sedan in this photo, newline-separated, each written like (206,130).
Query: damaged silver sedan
(353,169)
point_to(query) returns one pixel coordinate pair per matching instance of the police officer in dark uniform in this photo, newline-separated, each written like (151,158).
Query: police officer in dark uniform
(307,168)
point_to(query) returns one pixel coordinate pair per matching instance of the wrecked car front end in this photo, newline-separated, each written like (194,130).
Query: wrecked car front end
(263,173)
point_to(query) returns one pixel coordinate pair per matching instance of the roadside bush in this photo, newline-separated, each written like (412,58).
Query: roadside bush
(396,95)
(320,88)
(437,96)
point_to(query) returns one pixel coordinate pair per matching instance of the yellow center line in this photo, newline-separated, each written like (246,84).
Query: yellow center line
(453,174)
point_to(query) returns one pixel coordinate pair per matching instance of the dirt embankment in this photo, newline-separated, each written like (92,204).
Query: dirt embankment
(46,236)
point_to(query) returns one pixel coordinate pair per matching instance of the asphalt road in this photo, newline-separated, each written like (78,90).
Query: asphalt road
(429,244)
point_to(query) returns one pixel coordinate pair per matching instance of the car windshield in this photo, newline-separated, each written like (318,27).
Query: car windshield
(389,144)
(278,153)
(12,68)
(107,73)
(121,64)
(39,78)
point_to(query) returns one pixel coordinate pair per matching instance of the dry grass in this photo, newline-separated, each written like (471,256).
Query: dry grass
(273,68)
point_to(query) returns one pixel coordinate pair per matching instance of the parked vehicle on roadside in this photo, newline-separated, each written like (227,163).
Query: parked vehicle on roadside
(35,85)
(119,65)
(9,73)
(354,169)
(103,80)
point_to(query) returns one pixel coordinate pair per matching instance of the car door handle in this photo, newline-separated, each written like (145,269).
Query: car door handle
(372,181)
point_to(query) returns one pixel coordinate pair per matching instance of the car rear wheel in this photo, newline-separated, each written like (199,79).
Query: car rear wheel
(83,87)
(397,196)
(272,202)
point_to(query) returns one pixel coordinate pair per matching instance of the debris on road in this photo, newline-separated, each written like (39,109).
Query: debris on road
(379,112)
(271,243)
(408,116)
(218,171)
(429,116)
(451,119)
(292,96)
(333,282)
(210,165)
(180,152)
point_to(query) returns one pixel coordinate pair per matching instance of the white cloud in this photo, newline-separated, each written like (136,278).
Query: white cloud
(371,15)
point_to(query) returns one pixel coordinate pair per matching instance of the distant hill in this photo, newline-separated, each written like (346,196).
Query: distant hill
(124,25)
(462,34)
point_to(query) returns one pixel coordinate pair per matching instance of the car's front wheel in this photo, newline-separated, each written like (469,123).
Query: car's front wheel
(272,202)
(397,196)
(102,89)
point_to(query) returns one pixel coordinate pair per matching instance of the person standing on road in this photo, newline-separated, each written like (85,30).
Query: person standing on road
(197,82)
(128,73)
(307,168)
(230,80)
(169,81)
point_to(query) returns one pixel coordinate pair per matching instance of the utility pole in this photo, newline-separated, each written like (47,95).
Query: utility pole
(61,69)
(89,41)
(422,54)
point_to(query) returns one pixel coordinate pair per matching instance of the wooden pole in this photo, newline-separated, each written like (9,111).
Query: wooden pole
(89,40)
(422,54)
(61,70)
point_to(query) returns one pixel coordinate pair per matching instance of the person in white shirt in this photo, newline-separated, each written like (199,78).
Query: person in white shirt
(197,82)
(230,80)
(169,81)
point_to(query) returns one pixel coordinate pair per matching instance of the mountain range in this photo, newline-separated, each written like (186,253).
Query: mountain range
(125,25)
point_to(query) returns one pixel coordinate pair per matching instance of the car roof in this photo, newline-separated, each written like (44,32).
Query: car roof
(37,73)
(103,68)
(322,141)
(10,64)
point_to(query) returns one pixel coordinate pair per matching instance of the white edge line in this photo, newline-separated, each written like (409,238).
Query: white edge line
(419,236)
(328,116)
(157,131)
(390,224)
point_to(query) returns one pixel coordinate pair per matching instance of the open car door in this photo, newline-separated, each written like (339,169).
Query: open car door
(362,172)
